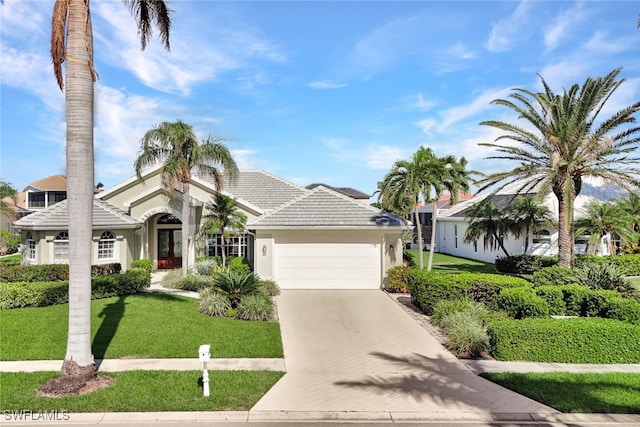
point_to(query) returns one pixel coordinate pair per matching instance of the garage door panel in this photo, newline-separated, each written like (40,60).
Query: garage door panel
(327,263)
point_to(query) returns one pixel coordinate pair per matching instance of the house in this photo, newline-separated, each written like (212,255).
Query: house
(452,223)
(301,238)
(347,191)
(43,193)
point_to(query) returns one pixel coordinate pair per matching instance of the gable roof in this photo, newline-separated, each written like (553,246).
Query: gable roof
(347,191)
(323,207)
(56,217)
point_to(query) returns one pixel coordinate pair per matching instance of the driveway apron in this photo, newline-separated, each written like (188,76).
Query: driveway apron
(359,351)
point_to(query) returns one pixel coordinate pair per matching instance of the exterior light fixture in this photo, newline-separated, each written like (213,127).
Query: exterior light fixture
(204,354)
(391,249)
(264,250)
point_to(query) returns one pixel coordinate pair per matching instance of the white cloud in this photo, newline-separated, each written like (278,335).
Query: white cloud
(426,125)
(25,16)
(562,24)
(478,105)
(321,84)
(508,31)
(382,156)
(460,51)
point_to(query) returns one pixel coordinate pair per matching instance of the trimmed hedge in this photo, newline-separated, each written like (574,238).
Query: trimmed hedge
(429,287)
(524,264)
(50,272)
(627,264)
(519,303)
(575,340)
(39,294)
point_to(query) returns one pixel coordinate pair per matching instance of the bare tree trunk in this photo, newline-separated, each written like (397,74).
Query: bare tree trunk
(223,248)
(565,233)
(420,242)
(79,99)
(186,212)
(434,217)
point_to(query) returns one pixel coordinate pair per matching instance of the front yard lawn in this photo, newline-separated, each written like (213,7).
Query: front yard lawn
(613,393)
(148,325)
(448,263)
(141,391)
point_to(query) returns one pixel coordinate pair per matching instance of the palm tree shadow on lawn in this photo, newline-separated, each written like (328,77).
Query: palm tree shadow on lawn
(111,315)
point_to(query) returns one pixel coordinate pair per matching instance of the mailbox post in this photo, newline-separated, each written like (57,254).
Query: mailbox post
(204,354)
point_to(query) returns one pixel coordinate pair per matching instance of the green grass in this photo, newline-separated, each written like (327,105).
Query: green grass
(613,393)
(143,391)
(452,264)
(14,259)
(148,325)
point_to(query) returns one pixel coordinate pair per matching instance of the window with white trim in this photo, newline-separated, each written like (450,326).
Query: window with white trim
(106,246)
(234,245)
(31,247)
(61,247)
(543,237)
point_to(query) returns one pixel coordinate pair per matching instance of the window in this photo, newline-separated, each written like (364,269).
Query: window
(61,247)
(36,200)
(235,245)
(544,237)
(106,246)
(31,247)
(58,197)
(455,235)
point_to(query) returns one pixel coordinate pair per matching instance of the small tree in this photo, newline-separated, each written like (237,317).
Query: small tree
(527,215)
(225,217)
(488,222)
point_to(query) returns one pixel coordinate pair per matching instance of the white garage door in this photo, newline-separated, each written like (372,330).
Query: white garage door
(327,263)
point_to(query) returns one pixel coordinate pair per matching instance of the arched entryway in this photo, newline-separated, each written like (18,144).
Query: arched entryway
(169,242)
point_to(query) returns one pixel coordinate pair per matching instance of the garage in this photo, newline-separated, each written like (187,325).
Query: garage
(327,262)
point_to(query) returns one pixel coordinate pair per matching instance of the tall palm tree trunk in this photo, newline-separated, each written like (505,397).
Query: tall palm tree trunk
(223,247)
(434,217)
(79,98)
(419,227)
(186,212)
(565,233)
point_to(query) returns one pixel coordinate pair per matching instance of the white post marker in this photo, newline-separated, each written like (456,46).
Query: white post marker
(204,355)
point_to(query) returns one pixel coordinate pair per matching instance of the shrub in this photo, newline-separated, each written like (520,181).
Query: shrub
(603,276)
(444,308)
(627,264)
(555,275)
(205,266)
(575,299)
(429,287)
(172,279)
(467,335)
(255,307)
(50,272)
(269,287)
(522,302)
(524,264)
(565,340)
(9,243)
(623,309)
(147,264)
(408,259)
(235,284)
(194,282)
(39,294)
(213,303)
(239,264)
(397,280)
(554,297)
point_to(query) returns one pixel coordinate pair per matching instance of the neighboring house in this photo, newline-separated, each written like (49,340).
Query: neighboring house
(43,193)
(347,191)
(453,222)
(426,214)
(301,238)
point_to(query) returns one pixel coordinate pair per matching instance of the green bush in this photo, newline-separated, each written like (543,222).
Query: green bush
(522,302)
(172,279)
(623,309)
(397,280)
(467,335)
(429,287)
(50,272)
(444,308)
(524,264)
(554,297)
(39,294)
(239,264)
(575,340)
(555,275)
(147,264)
(575,299)
(9,243)
(205,266)
(213,303)
(255,307)
(627,264)
(603,276)
(269,287)
(235,284)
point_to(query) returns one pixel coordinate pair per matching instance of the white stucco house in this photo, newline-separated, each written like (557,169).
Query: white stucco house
(302,238)
(452,224)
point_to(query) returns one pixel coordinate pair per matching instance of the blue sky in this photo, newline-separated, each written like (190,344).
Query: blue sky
(327,91)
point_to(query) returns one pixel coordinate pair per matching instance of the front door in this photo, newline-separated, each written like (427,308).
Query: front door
(169,248)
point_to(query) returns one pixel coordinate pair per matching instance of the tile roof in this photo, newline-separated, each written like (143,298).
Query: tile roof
(51,183)
(323,207)
(347,191)
(55,216)
(262,189)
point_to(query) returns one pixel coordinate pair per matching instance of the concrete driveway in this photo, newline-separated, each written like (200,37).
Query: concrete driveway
(358,351)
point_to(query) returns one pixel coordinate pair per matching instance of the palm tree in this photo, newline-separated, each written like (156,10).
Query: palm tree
(567,140)
(225,217)
(410,182)
(526,216)
(176,146)
(604,219)
(490,223)
(630,206)
(7,192)
(72,41)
